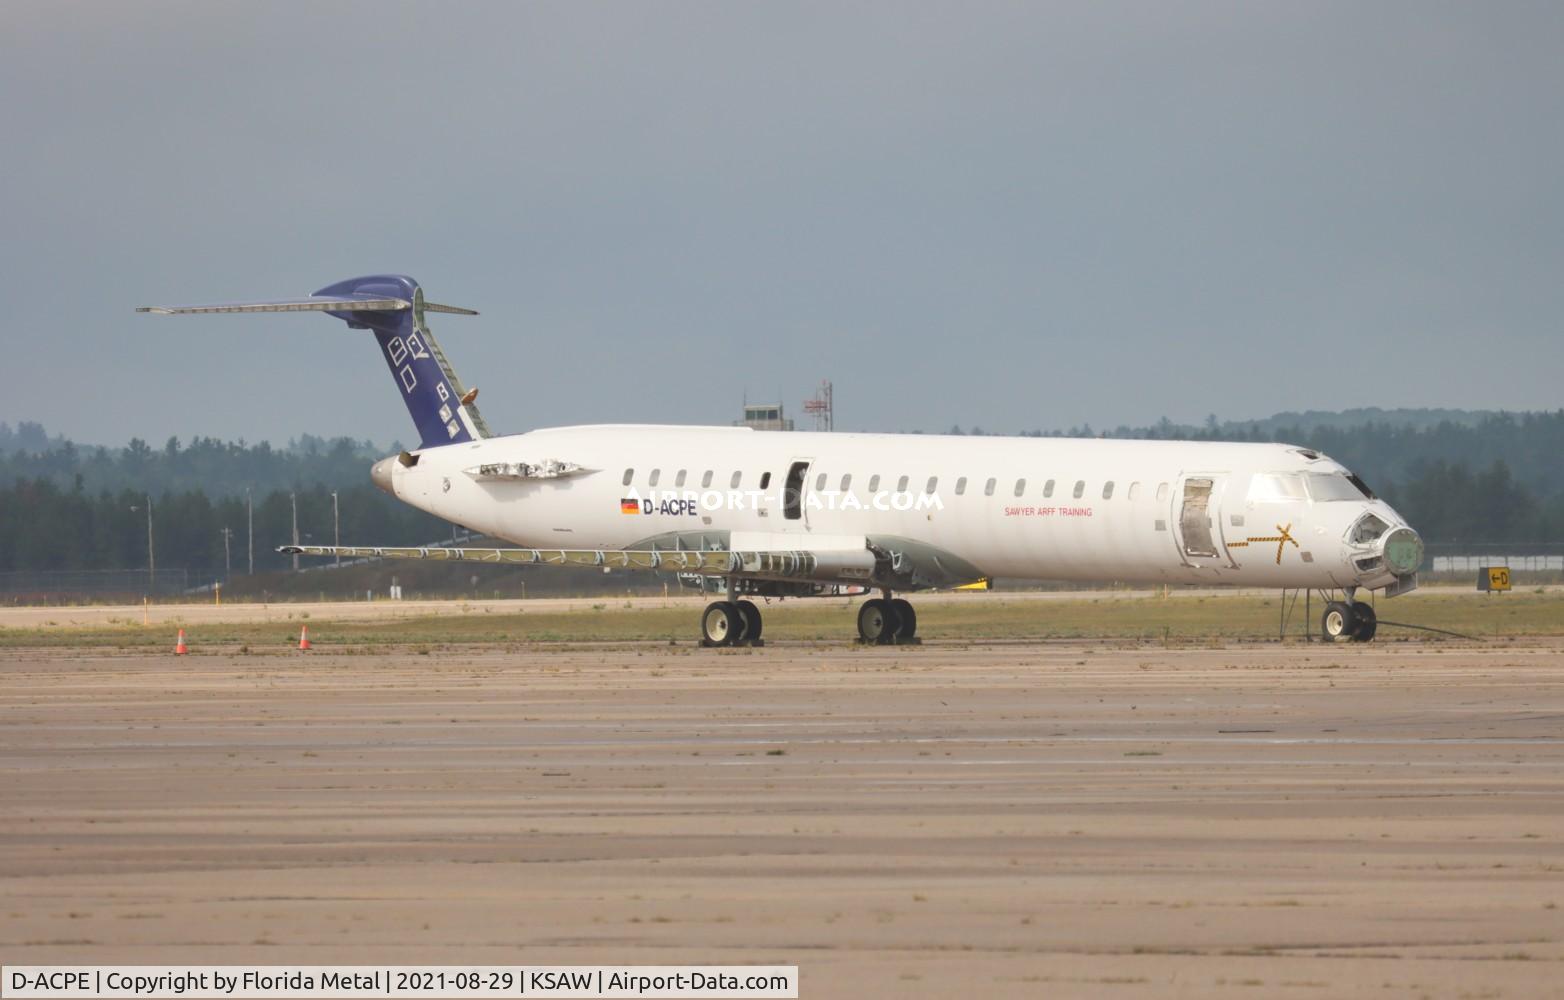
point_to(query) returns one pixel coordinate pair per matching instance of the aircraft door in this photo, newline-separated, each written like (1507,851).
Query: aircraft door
(1199,525)
(793,491)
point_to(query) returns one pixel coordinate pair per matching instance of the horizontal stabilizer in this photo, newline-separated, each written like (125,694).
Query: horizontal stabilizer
(773,565)
(315,303)
(393,307)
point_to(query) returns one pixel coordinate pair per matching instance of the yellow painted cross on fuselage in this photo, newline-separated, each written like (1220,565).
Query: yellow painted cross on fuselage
(1282,540)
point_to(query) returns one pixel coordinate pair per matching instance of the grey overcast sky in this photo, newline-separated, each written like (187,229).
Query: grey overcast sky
(1012,215)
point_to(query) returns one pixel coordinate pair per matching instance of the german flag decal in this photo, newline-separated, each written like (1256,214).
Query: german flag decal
(629,506)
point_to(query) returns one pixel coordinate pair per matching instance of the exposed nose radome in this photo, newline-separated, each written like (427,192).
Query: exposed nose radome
(380,474)
(1403,551)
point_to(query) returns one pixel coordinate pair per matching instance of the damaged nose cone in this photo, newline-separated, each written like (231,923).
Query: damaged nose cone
(1403,551)
(380,474)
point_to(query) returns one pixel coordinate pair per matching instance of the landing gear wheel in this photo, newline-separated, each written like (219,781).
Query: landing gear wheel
(752,623)
(1367,622)
(877,621)
(721,624)
(906,619)
(1338,621)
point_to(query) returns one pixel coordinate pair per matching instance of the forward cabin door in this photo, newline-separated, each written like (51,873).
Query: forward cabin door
(1197,520)
(795,510)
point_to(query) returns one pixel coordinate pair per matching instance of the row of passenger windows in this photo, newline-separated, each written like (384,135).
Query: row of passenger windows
(679,480)
(1078,491)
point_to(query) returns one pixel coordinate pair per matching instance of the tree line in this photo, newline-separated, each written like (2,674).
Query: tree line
(46,527)
(207,465)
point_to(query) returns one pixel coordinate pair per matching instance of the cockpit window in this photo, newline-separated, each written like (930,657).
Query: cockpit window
(1360,484)
(1367,529)
(1275,488)
(1336,486)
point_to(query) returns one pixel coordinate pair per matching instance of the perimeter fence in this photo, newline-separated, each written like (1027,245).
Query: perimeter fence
(50,586)
(1469,557)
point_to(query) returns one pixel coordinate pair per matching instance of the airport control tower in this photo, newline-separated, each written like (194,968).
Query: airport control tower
(764,417)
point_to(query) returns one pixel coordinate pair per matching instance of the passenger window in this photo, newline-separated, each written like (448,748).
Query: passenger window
(820,483)
(847,482)
(706,480)
(737,478)
(931,484)
(988,488)
(961,486)
(1080,488)
(1048,488)
(874,483)
(901,485)
(679,479)
(652,480)
(1162,491)
(1134,491)
(765,480)
(1107,490)
(1020,486)
(629,475)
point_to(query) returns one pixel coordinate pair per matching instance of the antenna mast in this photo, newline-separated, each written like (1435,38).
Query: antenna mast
(820,405)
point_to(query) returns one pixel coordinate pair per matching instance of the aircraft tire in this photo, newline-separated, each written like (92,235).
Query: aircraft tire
(877,621)
(1337,622)
(1367,622)
(752,623)
(722,624)
(906,618)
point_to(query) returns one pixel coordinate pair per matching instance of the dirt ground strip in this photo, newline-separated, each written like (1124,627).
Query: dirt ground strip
(189,612)
(1048,819)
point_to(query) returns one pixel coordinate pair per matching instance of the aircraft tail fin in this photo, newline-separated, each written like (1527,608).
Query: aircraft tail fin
(393,307)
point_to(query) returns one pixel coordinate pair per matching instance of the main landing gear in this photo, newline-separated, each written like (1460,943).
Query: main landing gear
(887,621)
(731,623)
(1349,619)
(882,621)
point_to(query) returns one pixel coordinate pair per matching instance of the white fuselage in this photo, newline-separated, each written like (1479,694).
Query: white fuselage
(1266,515)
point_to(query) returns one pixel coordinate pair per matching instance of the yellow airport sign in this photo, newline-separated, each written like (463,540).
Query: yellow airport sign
(1493,578)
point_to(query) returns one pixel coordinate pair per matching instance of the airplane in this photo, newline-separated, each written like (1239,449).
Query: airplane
(801,514)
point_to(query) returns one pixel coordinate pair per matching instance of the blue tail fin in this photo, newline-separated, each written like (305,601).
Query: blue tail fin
(393,306)
(429,386)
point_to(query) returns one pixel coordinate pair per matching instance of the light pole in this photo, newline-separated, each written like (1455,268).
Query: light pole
(227,560)
(293,498)
(336,527)
(249,513)
(151,560)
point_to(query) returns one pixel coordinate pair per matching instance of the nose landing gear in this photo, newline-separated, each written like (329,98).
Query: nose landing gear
(1354,621)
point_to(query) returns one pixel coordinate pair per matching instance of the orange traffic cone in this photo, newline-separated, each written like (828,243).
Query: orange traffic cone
(180,649)
(304,637)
